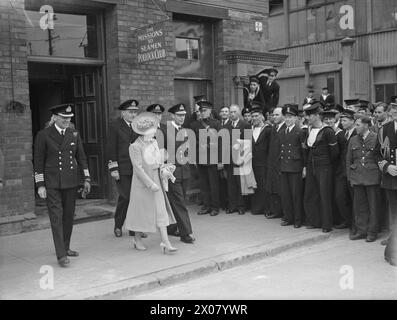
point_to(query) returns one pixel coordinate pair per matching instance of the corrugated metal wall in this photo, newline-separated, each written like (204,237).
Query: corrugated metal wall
(383,48)
(378,49)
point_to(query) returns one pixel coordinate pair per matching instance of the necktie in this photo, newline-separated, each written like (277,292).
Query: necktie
(347,135)
(62,132)
(130,125)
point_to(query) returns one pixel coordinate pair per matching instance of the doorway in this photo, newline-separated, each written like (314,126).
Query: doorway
(52,84)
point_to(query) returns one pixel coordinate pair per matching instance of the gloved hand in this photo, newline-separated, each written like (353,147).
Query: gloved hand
(86,190)
(42,191)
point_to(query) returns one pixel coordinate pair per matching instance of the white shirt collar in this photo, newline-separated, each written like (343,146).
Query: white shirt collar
(175,125)
(59,129)
(280,125)
(291,127)
(128,123)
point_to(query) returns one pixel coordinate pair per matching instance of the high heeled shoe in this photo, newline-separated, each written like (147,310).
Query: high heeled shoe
(138,247)
(166,248)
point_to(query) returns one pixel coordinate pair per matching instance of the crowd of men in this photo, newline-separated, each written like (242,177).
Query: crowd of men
(323,165)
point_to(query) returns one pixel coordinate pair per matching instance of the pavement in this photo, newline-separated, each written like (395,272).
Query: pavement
(109,266)
(340,269)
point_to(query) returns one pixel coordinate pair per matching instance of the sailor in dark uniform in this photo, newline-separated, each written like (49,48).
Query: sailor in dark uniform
(58,157)
(322,151)
(310,97)
(121,135)
(177,154)
(327,99)
(343,201)
(253,93)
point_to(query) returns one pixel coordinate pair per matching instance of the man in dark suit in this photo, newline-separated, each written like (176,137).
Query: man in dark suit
(387,161)
(363,175)
(327,99)
(236,129)
(208,170)
(273,165)
(177,154)
(224,114)
(292,167)
(260,148)
(120,137)
(58,156)
(271,91)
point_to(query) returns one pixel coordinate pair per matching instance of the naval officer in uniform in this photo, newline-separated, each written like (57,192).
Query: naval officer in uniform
(121,136)
(176,139)
(58,157)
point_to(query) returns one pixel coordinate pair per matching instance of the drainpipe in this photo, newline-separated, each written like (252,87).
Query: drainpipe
(347,68)
(307,74)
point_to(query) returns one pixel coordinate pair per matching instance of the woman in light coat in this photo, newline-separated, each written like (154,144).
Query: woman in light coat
(148,208)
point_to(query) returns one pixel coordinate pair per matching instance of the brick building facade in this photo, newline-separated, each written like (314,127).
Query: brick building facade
(90,58)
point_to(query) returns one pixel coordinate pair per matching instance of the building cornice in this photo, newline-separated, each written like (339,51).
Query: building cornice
(268,58)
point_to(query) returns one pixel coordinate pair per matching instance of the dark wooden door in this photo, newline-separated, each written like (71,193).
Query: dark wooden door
(86,87)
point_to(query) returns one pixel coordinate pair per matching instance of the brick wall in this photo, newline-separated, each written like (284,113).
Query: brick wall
(149,82)
(17,193)
(236,33)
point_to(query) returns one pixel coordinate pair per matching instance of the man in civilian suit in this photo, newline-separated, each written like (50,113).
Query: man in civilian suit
(120,137)
(271,91)
(347,119)
(260,148)
(292,167)
(273,165)
(236,200)
(177,190)
(224,114)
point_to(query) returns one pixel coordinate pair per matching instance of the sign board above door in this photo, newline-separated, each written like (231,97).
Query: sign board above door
(151,43)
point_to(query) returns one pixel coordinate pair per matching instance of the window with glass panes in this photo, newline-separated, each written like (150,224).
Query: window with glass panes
(385,80)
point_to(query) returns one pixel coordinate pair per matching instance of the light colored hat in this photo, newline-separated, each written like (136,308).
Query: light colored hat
(145,123)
